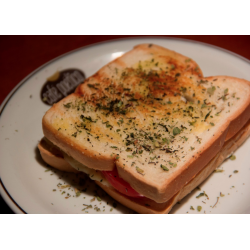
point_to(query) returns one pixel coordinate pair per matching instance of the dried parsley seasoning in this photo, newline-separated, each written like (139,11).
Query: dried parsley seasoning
(211,90)
(67,105)
(87,207)
(207,115)
(78,193)
(192,123)
(185,138)
(74,134)
(97,209)
(176,131)
(164,126)
(164,168)
(232,157)
(218,170)
(98,198)
(172,66)
(199,208)
(221,194)
(92,86)
(202,194)
(139,170)
(198,139)
(172,164)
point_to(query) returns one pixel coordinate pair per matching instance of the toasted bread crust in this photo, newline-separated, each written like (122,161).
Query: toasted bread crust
(179,72)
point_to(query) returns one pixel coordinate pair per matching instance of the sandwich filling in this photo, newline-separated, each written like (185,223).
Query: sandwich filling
(111,177)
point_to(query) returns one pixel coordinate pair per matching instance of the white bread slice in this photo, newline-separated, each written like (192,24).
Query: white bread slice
(144,205)
(157,104)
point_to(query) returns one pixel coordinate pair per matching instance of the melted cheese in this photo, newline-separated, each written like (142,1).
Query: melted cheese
(94,175)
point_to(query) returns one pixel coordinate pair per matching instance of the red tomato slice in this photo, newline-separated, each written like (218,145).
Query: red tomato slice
(119,184)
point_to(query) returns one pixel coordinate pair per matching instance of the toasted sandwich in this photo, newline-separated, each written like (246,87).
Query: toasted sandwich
(148,127)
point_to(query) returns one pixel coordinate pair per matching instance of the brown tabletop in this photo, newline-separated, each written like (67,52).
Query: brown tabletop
(20,55)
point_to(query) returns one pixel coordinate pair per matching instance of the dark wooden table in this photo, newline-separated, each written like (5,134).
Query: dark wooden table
(20,55)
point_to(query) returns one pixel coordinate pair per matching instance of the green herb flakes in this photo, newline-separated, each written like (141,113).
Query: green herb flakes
(207,115)
(166,140)
(68,105)
(192,123)
(87,207)
(98,198)
(211,90)
(172,66)
(74,135)
(218,170)
(92,86)
(120,103)
(139,170)
(199,208)
(164,168)
(176,131)
(172,164)
(200,195)
(232,157)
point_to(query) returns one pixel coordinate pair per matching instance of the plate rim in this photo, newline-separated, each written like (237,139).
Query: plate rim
(13,205)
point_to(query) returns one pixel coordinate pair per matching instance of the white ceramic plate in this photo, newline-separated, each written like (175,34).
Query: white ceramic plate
(27,187)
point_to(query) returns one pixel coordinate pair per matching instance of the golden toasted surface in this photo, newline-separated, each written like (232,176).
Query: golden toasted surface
(151,114)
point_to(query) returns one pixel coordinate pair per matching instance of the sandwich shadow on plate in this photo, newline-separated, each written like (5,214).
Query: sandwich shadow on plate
(86,188)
